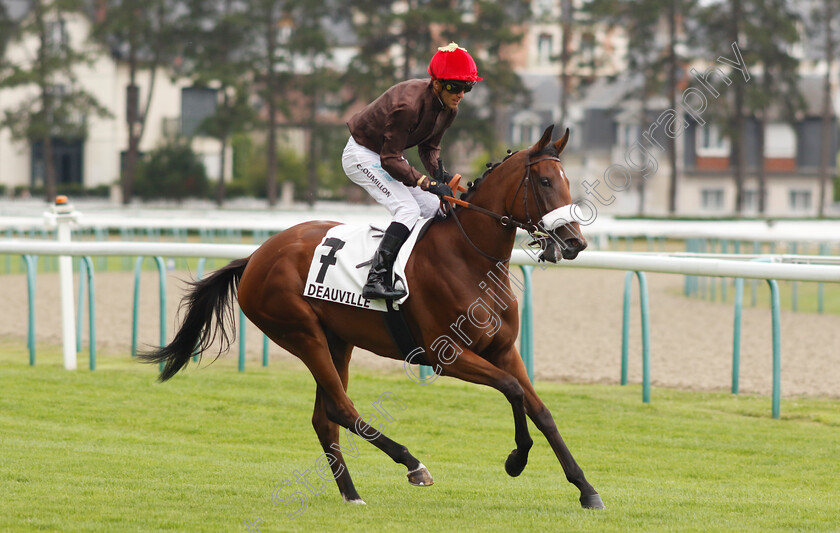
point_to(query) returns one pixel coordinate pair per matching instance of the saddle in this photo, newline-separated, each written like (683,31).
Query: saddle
(339,269)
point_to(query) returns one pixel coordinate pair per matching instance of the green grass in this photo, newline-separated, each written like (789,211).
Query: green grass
(112,450)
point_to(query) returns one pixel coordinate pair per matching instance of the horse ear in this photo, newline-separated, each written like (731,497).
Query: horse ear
(546,138)
(560,144)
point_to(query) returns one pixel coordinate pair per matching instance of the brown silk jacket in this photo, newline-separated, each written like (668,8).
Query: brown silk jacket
(406,115)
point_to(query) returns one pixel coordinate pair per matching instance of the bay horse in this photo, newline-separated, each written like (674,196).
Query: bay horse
(445,271)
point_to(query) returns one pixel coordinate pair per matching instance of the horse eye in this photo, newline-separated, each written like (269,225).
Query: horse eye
(545,182)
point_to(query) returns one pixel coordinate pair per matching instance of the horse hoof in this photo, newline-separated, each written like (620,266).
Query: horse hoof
(593,501)
(420,476)
(357,501)
(514,465)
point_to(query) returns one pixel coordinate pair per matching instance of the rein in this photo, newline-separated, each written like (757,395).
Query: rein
(505,220)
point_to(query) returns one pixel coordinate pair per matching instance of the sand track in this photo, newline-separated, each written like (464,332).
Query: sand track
(577,331)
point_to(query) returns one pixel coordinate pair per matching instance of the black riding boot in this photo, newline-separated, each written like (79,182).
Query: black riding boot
(380,283)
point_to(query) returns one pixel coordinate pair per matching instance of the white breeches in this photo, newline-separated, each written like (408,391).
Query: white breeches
(406,204)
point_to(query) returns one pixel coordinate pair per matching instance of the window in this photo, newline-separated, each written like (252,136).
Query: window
(780,141)
(544,45)
(711,137)
(711,142)
(465,6)
(197,104)
(799,200)
(750,200)
(629,134)
(543,8)
(711,199)
(56,34)
(524,133)
(587,51)
(525,129)
(67,161)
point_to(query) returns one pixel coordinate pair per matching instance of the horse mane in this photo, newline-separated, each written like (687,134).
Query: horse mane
(472,186)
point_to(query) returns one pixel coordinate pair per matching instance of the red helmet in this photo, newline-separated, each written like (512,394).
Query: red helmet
(451,62)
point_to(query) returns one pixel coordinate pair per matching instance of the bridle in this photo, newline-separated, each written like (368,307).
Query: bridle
(507,219)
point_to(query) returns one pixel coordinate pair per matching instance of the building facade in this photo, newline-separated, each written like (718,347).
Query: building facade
(176,108)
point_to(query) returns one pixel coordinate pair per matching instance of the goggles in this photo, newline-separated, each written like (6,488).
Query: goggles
(456,86)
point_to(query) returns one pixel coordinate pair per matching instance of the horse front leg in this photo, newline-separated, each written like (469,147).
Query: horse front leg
(469,366)
(541,416)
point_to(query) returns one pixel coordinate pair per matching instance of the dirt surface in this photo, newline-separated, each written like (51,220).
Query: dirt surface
(578,323)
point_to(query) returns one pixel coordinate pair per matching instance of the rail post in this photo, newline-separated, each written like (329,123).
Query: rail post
(777,343)
(86,273)
(736,334)
(625,335)
(31,262)
(162,291)
(60,216)
(526,336)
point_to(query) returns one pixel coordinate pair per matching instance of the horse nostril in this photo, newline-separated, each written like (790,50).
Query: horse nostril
(575,244)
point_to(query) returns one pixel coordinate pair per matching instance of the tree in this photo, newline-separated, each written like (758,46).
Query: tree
(647,59)
(6,27)
(763,31)
(373,69)
(310,42)
(219,31)
(722,23)
(779,85)
(140,32)
(828,16)
(677,11)
(567,18)
(57,107)
(490,28)
(271,81)
(484,28)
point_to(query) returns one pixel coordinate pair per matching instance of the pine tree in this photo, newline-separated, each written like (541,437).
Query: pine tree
(140,32)
(828,17)
(763,31)
(218,33)
(648,57)
(779,84)
(59,107)
(271,80)
(311,42)
(6,27)
(484,29)
(722,23)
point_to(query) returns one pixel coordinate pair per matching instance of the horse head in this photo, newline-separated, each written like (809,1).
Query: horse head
(542,201)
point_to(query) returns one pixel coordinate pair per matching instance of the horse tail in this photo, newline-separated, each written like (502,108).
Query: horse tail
(208,299)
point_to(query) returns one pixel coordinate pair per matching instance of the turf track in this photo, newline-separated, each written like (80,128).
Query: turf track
(113,450)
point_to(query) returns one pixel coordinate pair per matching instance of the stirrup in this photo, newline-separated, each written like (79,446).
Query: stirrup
(380,291)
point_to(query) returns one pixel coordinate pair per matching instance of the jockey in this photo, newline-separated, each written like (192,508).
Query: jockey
(411,113)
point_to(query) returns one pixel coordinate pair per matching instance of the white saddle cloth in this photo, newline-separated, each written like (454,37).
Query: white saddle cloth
(341,262)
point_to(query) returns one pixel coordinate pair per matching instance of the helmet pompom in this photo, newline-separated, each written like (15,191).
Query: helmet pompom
(451,62)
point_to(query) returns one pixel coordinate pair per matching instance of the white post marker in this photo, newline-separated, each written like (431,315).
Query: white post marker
(61,216)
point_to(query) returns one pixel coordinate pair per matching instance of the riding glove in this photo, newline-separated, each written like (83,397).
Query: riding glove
(439,188)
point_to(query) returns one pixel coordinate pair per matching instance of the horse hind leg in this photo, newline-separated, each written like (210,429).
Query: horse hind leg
(310,345)
(327,430)
(350,419)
